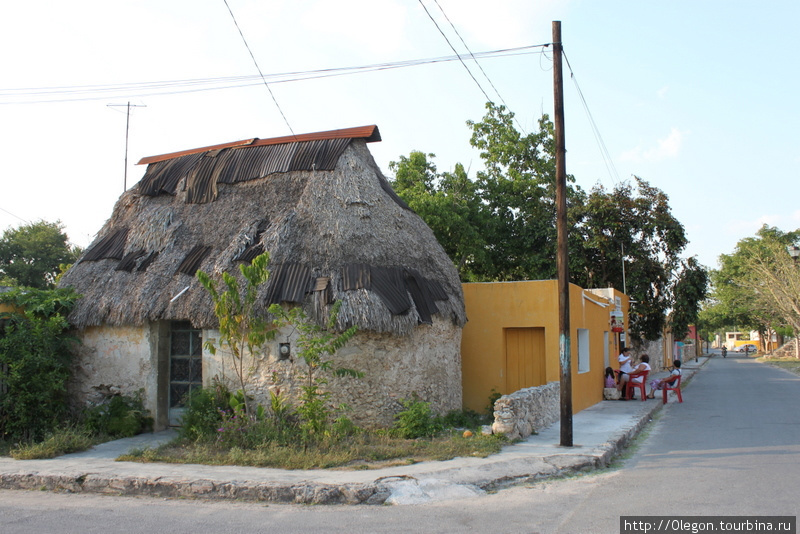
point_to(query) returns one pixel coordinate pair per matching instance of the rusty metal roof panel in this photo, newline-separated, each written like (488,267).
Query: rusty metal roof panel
(240,163)
(172,155)
(369,133)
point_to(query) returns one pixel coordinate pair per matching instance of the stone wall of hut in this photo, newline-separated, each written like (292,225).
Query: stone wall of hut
(112,360)
(426,363)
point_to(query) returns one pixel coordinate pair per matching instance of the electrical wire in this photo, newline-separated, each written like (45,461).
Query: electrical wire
(476,62)
(607,161)
(75,93)
(455,51)
(13,215)
(259,68)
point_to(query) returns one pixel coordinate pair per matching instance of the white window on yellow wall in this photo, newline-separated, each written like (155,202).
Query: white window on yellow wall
(583,350)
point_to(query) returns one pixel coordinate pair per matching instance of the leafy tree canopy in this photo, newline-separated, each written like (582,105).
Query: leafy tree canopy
(31,255)
(757,286)
(501,226)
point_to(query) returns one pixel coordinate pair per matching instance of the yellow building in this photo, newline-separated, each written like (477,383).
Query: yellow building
(511,340)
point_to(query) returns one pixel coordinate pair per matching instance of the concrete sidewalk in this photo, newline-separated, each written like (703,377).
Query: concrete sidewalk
(599,433)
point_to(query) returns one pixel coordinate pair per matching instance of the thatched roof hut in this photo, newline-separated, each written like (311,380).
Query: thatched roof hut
(318,203)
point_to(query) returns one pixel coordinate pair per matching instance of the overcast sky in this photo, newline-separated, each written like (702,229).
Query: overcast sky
(698,97)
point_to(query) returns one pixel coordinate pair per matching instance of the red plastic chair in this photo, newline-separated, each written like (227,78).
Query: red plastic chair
(630,385)
(676,387)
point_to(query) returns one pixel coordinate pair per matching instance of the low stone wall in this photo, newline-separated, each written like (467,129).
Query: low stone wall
(521,413)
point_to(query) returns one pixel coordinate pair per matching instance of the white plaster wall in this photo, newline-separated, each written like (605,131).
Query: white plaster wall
(427,362)
(116,357)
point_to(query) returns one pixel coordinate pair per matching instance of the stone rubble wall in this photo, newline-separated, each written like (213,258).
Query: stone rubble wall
(113,360)
(523,412)
(425,364)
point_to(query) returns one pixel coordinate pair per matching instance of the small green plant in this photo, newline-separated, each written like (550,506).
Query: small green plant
(241,330)
(417,420)
(120,416)
(315,343)
(464,419)
(203,413)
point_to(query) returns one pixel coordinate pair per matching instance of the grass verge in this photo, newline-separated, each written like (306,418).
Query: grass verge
(63,441)
(790,364)
(365,450)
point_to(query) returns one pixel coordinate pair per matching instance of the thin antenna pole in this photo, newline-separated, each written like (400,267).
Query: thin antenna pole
(128,107)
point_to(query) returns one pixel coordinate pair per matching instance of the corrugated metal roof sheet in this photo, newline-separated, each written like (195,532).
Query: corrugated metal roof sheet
(232,165)
(289,282)
(128,262)
(191,263)
(111,246)
(368,133)
(394,285)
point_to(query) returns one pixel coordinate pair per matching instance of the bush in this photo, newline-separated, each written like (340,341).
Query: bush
(34,357)
(120,417)
(417,420)
(202,417)
(464,419)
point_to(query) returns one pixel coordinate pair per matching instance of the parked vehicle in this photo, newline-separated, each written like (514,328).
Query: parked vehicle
(747,347)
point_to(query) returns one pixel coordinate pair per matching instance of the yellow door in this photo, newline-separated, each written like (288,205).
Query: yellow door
(525,358)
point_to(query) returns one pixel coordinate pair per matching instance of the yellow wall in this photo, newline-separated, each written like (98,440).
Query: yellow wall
(493,308)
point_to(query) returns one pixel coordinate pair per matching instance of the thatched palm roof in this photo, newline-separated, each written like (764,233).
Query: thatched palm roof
(317,203)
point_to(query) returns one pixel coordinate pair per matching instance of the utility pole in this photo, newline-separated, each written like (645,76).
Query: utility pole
(128,106)
(562,255)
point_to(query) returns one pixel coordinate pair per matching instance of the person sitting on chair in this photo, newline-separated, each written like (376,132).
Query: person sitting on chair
(659,384)
(636,374)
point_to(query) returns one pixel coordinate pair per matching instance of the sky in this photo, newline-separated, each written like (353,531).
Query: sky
(697,97)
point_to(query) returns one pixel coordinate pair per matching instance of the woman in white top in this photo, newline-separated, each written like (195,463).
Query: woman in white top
(644,365)
(625,367)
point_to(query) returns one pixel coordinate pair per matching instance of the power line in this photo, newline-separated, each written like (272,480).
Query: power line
(76,93)
(13,215)
(258,68)
(470,52)
(609,163)
(455,51)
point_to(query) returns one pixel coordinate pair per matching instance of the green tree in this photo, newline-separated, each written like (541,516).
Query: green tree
(517,188)
(449,204)
(316,345)
(32,254)
(502,225)
(690,291)
(758,285)
(632,227)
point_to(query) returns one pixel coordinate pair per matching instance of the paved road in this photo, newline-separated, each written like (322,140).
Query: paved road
(732,448)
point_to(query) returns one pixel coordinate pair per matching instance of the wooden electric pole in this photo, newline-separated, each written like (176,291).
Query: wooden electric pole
(562,255)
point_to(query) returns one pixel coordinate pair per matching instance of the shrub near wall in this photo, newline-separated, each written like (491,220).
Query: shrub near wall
(34,359)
